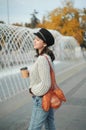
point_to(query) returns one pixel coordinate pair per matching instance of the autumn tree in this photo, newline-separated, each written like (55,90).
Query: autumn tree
(66,20)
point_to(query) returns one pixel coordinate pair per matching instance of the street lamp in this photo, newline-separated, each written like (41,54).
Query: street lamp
(8,11)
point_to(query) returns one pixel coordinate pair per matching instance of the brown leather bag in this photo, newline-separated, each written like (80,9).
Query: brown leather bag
(54,97)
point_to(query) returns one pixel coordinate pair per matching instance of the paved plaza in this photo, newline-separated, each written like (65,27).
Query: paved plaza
(15,113)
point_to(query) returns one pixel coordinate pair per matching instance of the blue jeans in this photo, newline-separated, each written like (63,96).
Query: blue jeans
(41,117)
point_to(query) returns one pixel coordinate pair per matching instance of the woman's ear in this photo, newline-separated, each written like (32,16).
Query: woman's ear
(45,45)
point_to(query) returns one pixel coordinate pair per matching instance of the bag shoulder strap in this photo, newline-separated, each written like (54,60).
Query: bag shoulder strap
(53,81)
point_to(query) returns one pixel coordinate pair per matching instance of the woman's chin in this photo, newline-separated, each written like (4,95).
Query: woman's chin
(35,48)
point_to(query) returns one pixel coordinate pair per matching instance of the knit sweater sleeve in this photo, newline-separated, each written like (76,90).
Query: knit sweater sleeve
(44,74)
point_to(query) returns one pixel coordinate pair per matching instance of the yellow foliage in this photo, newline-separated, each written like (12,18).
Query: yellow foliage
(66,21)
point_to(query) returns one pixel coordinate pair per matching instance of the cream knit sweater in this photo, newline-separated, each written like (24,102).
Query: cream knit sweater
(40,80)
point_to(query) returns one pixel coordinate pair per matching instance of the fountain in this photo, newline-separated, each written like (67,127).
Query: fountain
(16,51)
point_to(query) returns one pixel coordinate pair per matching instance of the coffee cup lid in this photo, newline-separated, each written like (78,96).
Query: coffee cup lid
(24,68)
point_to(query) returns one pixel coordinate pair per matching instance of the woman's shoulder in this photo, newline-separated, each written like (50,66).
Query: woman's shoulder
(44,59)
(41,58)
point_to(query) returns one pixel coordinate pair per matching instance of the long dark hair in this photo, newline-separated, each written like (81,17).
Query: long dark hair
(47,51)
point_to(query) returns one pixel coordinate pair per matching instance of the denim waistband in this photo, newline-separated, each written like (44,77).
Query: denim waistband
(36,96)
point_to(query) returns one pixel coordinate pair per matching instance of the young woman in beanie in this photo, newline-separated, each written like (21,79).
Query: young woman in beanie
(40,81)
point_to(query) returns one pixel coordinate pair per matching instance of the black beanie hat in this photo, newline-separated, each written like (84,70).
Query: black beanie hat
(46,36)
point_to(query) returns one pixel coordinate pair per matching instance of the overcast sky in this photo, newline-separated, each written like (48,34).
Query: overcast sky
(21,10)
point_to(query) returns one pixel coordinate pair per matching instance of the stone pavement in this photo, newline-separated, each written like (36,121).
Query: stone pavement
(71,116)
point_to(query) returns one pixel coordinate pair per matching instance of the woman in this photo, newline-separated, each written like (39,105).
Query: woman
(40,81)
